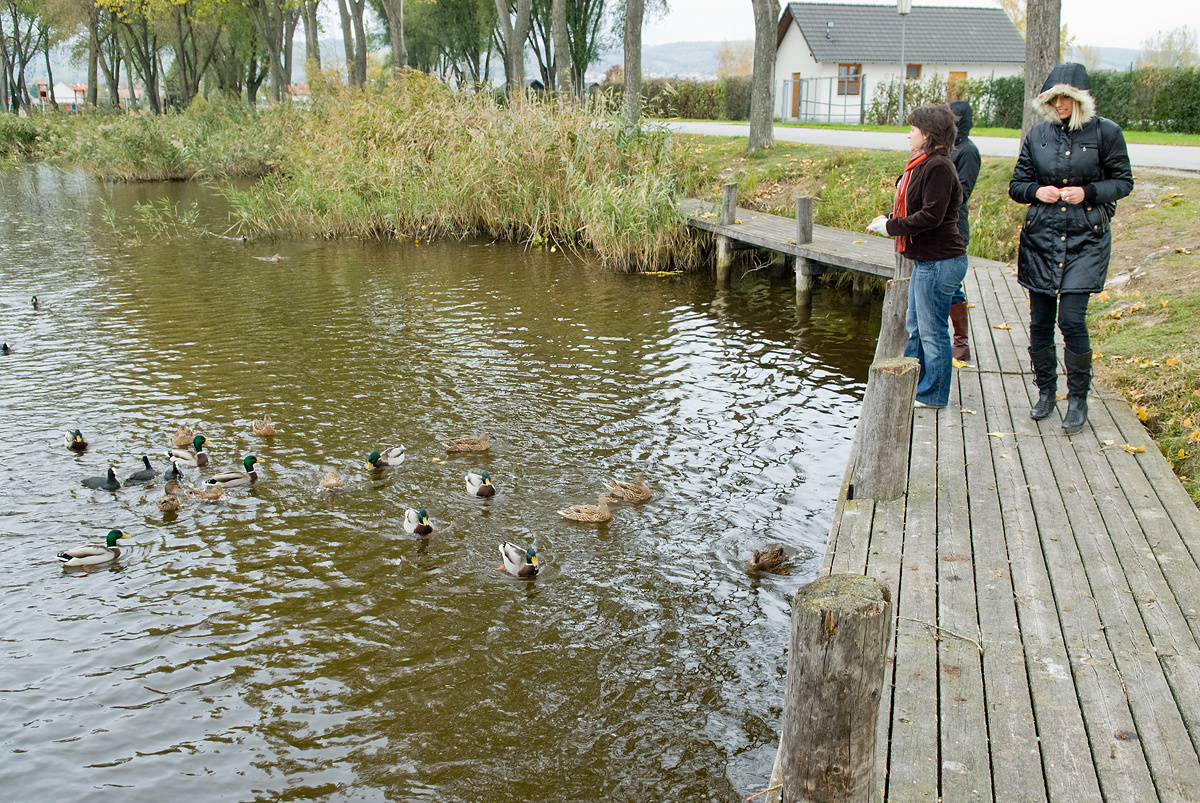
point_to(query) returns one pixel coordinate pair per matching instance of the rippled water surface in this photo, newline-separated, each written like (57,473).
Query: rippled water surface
(296,644)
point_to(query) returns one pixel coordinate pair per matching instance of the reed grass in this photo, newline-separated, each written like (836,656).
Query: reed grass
(417,159)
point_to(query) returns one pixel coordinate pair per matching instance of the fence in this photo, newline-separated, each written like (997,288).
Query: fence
(816,100)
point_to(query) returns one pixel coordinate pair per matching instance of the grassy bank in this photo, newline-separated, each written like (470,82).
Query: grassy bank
(1140,137)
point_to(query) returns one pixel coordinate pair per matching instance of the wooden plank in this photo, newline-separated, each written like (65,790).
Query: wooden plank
(1012,734)
(965,762)
(1150,637)
(883,563)
(914,760)
(1064,508)
(853,537)
(1064,750)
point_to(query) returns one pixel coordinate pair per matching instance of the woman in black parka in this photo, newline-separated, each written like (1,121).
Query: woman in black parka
(1071,171)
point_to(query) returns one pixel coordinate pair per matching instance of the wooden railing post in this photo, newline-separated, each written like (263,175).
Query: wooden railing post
(841,625)
(804,220)
(724,244)
(882,440)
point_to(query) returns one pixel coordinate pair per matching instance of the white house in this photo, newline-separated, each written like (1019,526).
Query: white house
(830,57)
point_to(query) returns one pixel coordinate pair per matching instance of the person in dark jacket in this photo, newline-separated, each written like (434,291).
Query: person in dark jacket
(924,221)
(966,161)
(1071,171)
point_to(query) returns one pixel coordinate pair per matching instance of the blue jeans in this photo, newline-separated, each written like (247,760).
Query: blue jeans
(930,289)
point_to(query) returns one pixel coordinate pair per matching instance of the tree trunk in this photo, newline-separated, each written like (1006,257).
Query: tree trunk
(562,46)
(1042,34)
(312,33)
(50,76)
(631,109)
(513,35)
(394,11)
(762,84)
(93,79)
(357,8)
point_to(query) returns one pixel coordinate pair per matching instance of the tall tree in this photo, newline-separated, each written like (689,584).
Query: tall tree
(1174,48)
(312,32)
(762,84)
(276,22)
(393,11)
(631,109)
(1043,27)
(514,30)
(562,46)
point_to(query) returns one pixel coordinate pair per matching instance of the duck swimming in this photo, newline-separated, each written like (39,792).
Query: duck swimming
(169,503)
(92,554)
(106,483)
(75,441)
(771,559)
(173,473)
(589,514)
(331,480)
(389,459)
(417,521)
(480,485)
(236,478)
(264,428)
(518,561)
(192,458)
(183,436)
(469,443)
(631,492)
(143,474)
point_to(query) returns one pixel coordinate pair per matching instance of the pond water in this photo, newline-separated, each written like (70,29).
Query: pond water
(294,643)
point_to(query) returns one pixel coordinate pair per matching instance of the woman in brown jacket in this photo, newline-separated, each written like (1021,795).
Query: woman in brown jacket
(924,221)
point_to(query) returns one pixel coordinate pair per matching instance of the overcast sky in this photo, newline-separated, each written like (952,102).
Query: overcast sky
(1099,23)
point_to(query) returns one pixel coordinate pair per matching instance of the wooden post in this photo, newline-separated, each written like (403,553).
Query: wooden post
(903,267)
(841,625)
(804,220)
(884,430)
(893,332)
(724,245)
(804,282)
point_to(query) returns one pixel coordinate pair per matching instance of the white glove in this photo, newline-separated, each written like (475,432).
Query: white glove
(879,225)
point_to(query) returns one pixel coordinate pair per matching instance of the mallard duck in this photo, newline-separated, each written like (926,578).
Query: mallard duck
(213,494)
(196,456)
(173,473)
(389,459)
(264,428)
(469,443)
(91,554)
(630,492)
(417,521)
(590,514)
(183,436)
(480,485)
(38,305)
(7,349)
(331,480)
(773,558)
(235,478)
(518,561)
(142,474)
(75,441)
(106,483)
(169,502)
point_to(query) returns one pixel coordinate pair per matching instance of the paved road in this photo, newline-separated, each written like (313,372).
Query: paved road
(1171,157)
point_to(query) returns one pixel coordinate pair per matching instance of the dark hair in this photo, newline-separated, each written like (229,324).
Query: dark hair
(938,124)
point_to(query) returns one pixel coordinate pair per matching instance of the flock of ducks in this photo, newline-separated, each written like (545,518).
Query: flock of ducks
(188,450)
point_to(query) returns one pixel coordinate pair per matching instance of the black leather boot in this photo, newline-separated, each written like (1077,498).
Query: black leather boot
(1045,376)
(1079,379)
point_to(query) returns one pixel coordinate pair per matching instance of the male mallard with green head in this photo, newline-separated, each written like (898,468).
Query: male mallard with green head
(518,561)
(196,456)
(92,554)
(390,458)
(480,484)
(236,478)
(417,522)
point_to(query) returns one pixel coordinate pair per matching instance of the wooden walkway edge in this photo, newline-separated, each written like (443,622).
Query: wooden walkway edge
(1046,591)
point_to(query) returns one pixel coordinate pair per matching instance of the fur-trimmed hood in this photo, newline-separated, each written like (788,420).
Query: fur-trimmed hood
(1070,80)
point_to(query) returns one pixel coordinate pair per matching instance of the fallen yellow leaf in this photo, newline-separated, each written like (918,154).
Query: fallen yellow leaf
(960,363)
(998,434)
(968,410)
(858,241)
(1132,449)
(737,221)
(1001,326)
(1108,443)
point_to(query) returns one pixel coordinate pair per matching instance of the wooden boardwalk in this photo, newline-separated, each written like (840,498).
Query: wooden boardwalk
(1046,591)
(861,253)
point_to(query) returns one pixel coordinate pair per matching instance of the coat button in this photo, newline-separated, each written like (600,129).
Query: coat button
(1089,209)
(1064,181)
(1064,239)
(1063,209)
(1060,264)
(1095,227)
(1068,153)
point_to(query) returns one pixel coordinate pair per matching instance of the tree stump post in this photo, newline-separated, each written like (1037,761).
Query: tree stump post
(804,221)
(884,431)
(804,281)
(893,331)
(841,625)
(725,244)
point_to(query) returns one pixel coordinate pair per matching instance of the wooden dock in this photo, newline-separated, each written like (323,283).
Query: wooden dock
(1046,591)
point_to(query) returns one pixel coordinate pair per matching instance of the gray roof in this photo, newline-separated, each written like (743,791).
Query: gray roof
(863,33)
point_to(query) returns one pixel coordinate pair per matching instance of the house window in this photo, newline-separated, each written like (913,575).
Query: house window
(912,72)
(849,79)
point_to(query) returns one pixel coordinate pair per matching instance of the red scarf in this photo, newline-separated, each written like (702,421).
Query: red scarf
(899,206)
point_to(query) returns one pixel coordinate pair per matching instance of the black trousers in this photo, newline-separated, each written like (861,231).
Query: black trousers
(1070,310)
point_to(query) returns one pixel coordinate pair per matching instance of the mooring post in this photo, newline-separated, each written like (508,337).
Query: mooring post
(725,244)
(893,331)
(884,430)
(841,625)
(804,267)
